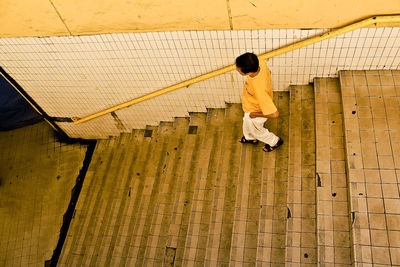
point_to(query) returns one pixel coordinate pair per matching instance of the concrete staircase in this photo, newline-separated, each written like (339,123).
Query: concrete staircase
(189,194)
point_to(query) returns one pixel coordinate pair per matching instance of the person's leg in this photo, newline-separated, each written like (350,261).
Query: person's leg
(248,127)
(259,132)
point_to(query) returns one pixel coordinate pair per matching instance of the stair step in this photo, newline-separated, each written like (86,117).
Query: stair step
(333,216)
(157,245)
(117,230)
(372,122)
(273,189)
(184,200)
(150,181)
(85,206)
(301,243)
(98,241)
(176,198)
(209,154)
(147,247)
(120,196)
(220,240)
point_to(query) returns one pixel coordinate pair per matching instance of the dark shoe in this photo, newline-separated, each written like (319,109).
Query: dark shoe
(244,141)
(268,148)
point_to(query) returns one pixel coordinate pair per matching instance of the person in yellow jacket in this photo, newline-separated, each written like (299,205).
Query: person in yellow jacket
(257,102)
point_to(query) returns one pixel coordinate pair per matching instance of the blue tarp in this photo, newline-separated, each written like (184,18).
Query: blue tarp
(15,111)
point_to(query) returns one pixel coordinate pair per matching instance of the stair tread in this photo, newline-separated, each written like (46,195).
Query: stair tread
(104,208)
(371,108)
(103,153)
(301,247)
(205,179)
(333,228)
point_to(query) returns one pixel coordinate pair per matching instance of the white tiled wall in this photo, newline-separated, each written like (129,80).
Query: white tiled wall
(77,76)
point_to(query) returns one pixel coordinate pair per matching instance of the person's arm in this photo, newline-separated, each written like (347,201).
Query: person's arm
(260,114)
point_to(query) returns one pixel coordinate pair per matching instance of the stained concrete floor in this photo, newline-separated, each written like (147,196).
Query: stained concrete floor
(37,174)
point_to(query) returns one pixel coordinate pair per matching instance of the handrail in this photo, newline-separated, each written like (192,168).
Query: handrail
(279,51)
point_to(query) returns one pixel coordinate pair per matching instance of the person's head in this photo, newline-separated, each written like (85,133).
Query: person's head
(247,63)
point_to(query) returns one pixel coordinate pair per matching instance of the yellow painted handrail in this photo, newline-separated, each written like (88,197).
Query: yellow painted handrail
(279,51)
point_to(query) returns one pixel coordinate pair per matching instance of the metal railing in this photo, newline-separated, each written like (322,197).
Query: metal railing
(354,26)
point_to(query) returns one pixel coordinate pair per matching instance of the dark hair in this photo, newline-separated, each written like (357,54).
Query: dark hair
(248,62)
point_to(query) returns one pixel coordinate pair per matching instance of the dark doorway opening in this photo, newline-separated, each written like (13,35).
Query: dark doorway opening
(15,111)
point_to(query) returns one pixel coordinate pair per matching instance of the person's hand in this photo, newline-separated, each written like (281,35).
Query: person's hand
(252,115)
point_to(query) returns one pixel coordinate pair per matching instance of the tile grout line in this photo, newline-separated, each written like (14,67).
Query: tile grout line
(380,174)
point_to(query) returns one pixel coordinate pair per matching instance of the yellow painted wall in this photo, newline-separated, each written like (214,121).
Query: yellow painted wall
(78,17)
(29,18)
(293,14)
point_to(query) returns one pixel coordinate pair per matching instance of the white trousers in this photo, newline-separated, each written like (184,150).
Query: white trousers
(254,129)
